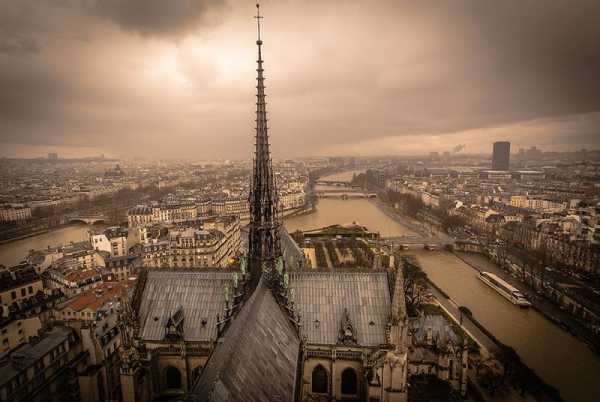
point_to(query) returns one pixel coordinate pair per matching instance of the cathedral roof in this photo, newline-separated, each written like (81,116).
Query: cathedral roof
(256,359)
(321,299)
(198,293)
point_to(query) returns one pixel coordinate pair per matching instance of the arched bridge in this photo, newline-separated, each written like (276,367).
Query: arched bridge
(333,183)
(344,195)
(89,219)
(412,242)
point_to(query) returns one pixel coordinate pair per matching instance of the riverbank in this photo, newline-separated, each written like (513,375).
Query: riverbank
(391,213)
(546,308)
(15,251)
(452,309)
(305,210)
(25,236)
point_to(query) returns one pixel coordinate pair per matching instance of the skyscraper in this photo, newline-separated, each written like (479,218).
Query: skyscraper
(501,156)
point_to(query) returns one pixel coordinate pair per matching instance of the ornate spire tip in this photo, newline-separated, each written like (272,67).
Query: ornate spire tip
(258,17)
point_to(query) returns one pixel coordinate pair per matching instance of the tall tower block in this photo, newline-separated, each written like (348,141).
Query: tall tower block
(501,155)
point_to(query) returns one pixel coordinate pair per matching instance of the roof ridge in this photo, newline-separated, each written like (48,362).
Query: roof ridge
(227,365)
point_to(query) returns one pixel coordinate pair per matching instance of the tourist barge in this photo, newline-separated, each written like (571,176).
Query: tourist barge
(509,292)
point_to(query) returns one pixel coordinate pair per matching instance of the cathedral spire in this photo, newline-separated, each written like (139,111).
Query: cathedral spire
(263,238)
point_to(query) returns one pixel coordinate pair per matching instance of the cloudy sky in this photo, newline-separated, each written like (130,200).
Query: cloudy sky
(344,77)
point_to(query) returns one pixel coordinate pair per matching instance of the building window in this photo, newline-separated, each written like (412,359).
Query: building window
(23,292)
(319,380)
(349,382)
(30,289)
(13,294)
(173,377)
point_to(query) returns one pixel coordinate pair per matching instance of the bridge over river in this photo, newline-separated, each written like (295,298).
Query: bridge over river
(344,194)
(415,242)
(89,219)
(337,183)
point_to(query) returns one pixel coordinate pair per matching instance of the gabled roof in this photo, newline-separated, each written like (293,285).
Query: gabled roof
(321,297)
(199,292)
(257,358)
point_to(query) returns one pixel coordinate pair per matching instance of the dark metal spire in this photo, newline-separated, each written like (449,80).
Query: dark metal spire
(264,240)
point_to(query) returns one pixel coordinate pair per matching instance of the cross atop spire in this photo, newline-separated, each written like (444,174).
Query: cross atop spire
(258,18)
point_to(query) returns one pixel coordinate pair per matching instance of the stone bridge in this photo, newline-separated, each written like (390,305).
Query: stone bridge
(344,195)
(416,242)
(88,219)
(332,183)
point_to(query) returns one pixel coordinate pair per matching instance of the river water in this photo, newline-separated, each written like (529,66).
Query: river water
(559,358)
(14,252)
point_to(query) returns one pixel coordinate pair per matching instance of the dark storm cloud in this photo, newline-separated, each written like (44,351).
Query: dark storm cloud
(551,48)
(28,92)
(18,28)
(343,76)
(516,59)
(155,17)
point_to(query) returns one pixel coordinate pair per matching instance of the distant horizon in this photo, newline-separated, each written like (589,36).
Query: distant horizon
(128,78)
(440,154)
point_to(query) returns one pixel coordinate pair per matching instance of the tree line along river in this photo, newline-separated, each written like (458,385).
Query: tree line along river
(559,358)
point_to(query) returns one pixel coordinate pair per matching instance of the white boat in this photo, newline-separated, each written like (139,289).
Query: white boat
(509,292)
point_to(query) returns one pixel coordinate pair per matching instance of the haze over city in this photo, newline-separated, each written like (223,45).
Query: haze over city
(299,201)
(150,78)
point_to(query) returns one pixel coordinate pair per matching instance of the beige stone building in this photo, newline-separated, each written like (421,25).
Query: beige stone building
(122,268)
(212,245)
(18,283)
(43,370)
(140,216)
(14,213)
(94,317)
(112,240)
(25,305)
(22,321)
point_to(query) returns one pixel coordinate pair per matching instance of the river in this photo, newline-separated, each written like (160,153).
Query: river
(559,358)
(14,252)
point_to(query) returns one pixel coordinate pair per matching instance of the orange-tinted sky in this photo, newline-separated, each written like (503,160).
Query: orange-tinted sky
(176,78)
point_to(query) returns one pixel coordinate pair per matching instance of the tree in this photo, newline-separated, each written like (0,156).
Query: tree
(451,222)
(414,280)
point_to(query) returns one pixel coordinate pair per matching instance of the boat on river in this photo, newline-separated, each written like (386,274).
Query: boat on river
(505,289)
